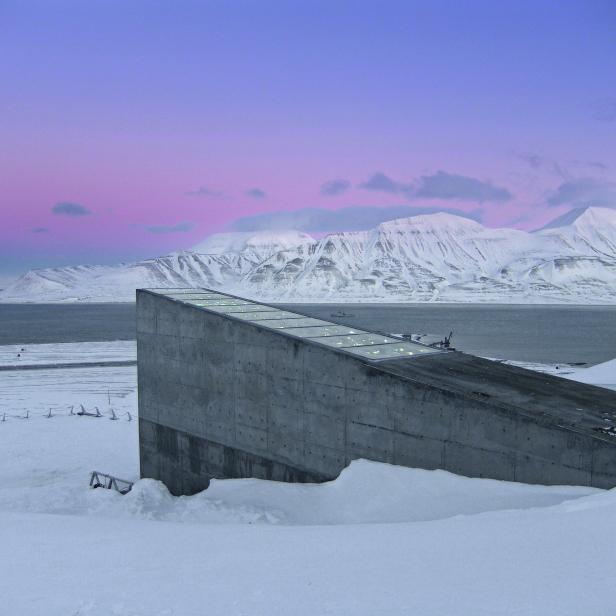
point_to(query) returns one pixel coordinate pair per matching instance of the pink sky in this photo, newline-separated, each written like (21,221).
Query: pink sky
(125,117)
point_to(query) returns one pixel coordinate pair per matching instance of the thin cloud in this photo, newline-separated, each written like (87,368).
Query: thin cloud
(440,185)
(335,187)
(256,193)
(40,230)
(383,183)
(597,165)
(180,227)
(533,160)
(537,162)
(66,208)
(443,185)
(584,192)
(566,171)
(204,191)
(352,218)
(604,109)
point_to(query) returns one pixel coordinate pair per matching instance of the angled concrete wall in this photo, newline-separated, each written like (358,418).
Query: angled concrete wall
(219,397)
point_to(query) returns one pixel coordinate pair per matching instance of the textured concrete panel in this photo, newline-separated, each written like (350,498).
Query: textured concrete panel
(326,430)
(369,441)
(418,451)
(479,462)
(222,397)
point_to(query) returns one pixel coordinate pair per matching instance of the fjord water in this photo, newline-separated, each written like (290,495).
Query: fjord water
(43,323)
(534,333)
(539,333)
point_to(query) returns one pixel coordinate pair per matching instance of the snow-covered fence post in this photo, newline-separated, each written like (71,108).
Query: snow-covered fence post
(83,412)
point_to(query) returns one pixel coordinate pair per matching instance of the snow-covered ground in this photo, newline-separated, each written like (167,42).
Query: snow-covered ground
(602,375)
(39,390)
(67,353)
(378,540)
(554,369)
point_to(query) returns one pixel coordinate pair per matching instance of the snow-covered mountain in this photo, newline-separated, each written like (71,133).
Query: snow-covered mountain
(437,257)
(260,244)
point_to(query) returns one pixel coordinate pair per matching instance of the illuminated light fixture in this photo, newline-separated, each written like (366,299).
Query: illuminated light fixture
(357,342)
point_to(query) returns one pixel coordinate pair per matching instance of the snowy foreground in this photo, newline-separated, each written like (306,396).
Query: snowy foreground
(67,353)
(378,540)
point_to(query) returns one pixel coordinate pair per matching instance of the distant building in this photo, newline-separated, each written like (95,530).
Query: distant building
(234,388)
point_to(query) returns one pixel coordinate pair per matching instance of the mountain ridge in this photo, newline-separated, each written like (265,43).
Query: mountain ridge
(431,257)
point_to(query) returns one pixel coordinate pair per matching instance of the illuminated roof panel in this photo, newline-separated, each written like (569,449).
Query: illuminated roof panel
(237,310)
(188,296)
(354,340)
(291,324)
(268,315)
(322,331)
(367,345)
(393,350)
(214,302)
(169,290)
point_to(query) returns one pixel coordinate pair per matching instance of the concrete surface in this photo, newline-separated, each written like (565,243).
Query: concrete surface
(220,397)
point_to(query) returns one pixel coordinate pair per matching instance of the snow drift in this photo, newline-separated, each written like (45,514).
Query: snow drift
(379,539)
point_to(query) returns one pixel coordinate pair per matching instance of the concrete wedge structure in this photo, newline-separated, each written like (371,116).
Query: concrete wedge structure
(233,388)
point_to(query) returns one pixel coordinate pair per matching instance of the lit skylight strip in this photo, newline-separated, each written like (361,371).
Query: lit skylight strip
(236,309)
(355,340)
(203,296)
(322,331)
(291,324)
(269,314)
(391,351)
(212,303)
(167,290)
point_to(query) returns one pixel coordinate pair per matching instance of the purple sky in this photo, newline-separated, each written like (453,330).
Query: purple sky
(130,129)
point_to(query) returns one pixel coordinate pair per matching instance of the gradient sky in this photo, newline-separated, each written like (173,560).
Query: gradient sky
(131,129)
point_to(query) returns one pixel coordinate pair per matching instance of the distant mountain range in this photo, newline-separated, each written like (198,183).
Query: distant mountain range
(436,257)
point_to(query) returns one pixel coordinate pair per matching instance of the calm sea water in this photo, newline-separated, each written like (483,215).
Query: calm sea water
(38,323)
(548,334)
